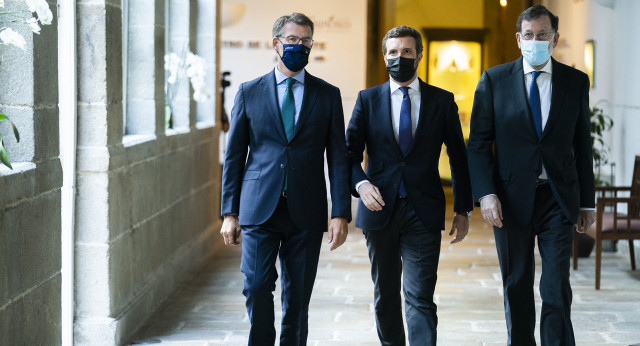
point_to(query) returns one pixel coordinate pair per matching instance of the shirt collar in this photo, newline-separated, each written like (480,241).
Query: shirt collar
(415,85)
(528,68)
(280,77)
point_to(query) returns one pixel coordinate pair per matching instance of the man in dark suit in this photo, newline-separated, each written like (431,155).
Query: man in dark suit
(276,197)
(403,124)
(531,171)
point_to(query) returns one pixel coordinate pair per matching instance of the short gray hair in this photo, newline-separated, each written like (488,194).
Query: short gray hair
(535,12)
(402,31)
(296,18)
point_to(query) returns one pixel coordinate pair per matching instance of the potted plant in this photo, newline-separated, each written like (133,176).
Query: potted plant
(599,124)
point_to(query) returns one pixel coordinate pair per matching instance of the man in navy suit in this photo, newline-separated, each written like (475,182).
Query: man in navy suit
(276,196)
(532,174)
(403,124)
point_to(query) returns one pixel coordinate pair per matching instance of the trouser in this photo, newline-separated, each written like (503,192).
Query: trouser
(299,251)
(404,246)
(515,247)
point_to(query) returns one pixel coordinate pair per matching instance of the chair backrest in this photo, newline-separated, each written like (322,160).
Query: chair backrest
(634,208)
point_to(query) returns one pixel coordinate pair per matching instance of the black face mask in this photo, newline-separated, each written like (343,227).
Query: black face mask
(401,69)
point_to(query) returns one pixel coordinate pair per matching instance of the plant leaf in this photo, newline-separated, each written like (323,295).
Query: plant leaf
(4,156)
(13,126)
(15,132)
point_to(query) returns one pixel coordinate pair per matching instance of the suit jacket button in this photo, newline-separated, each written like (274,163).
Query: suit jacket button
(402,164)
(282,165)
(288,147)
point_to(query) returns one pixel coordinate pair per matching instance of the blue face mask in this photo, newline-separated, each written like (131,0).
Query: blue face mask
(295,56)
(535,52)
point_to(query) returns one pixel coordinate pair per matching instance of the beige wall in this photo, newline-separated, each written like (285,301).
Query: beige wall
(613,26)
(338,55)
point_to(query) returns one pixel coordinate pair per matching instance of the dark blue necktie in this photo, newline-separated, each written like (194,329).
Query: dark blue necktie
(288,108)
(405,136)
(534,103)
(404,128)
(536,111)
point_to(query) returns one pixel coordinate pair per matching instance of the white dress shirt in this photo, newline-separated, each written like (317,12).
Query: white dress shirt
(544,86)
(396,104)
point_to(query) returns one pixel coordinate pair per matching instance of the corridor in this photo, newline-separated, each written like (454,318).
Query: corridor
(209,309)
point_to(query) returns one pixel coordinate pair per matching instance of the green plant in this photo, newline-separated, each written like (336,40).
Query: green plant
(4,156)
(599,124)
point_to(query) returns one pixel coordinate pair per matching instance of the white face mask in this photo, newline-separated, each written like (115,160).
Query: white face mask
(535,52)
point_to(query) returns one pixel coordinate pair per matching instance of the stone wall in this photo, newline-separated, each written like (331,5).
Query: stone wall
(30,276)
(147,201)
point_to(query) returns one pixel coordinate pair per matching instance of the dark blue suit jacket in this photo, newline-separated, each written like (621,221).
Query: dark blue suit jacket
(258,155)
(504,149)
(438,123)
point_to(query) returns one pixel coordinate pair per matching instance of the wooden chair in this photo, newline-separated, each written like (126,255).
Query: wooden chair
(612,225)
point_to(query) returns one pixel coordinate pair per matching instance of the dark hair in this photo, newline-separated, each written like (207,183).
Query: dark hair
(402,31)
(535,12)
(297,18)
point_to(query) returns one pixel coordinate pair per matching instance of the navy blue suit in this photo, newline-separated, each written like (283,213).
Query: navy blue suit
(406,230)
(257,158)
(504,151)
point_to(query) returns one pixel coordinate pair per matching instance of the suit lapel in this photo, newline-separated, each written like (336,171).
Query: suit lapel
(426,114)
(272,109)
(383,114)
(308,101)
(558,91)
(519,96)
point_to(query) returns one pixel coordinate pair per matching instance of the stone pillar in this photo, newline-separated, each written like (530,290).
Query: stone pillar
(102,205)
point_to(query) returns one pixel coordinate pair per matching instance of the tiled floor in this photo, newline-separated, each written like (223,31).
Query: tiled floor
(209,310)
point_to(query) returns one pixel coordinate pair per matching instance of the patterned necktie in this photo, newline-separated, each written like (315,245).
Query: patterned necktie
(534,103)
(405,137)
(288,108)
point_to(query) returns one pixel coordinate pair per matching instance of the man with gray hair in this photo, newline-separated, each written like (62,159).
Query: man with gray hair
(403,124)
(532,175)
(275,194)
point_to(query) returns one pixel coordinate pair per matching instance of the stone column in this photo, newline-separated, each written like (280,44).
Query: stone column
(102,201)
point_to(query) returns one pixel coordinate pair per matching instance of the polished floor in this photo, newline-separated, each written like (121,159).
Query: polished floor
(209,308)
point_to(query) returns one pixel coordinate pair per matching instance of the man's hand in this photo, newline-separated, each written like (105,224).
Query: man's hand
(491,210)
(337,232)
(230,230)
(371,197)
(585,219)
(459,226)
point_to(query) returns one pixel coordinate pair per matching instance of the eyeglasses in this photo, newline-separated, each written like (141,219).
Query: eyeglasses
(542,36)
(295,40)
